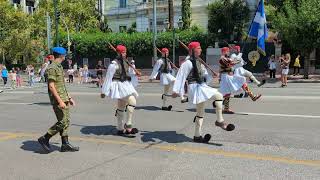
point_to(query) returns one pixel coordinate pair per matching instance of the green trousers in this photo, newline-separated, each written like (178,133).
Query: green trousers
(63,118)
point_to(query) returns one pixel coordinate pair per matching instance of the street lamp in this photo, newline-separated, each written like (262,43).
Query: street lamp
(56,14)
(180,24)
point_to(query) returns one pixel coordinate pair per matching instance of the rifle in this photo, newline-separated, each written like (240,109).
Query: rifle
(173,65)
(138,73)
(201,61)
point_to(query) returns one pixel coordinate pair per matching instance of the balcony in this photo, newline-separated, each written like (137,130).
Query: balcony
(122,11)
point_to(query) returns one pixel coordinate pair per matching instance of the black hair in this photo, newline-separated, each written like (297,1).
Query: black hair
(56,55)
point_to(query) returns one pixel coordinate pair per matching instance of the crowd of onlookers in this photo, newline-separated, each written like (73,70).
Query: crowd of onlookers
(82,74)
(282,63)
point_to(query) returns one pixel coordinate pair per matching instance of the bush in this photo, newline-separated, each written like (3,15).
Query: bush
(138,44)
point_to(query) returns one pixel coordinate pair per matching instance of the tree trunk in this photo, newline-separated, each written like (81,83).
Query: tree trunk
(171,14)
(306,66)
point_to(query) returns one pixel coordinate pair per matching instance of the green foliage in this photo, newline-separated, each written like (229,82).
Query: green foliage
(23,35)
(186,13)
(227,18)
(79,15)
(16,30)
(299,25)
(133,28)
(138,44)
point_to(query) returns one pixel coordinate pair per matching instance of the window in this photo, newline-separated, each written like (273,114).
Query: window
(85,61)
(106,62)
(123,4)
(16,1)
(122,28)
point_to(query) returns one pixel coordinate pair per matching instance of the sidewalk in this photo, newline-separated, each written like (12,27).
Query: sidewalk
(291,79)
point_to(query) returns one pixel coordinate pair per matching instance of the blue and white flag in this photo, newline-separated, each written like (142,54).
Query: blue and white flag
(258,28)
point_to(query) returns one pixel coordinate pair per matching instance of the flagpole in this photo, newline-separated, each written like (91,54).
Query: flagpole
(250,27)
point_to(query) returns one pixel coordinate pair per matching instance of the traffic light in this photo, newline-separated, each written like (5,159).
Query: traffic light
(58,15)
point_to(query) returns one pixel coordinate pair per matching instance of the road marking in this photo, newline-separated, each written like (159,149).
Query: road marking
(280,115)
(246,113)
(15,103)
(184,149)
(297,97)
(7,136)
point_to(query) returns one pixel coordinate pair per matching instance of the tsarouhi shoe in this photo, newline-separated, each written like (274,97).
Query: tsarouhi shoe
(185,100)
(201,139)
(262,83)
(167,108)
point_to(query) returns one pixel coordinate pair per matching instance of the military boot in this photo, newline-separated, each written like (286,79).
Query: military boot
(66,146)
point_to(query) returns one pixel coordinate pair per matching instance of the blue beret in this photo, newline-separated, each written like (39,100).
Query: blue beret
(59,50)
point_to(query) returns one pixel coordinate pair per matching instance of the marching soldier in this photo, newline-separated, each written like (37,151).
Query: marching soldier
(117,85)
(164,67)
(199,92)
(61,102)
(231,83)
(240,71)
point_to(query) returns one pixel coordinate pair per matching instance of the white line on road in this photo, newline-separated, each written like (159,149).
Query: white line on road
(247,113)
(158,94)
(280,115)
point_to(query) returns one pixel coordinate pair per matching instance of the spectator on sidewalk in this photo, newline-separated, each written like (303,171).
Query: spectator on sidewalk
(19,78)
(13,78)
(71,74)
(99,70)
(272,67)
(85,73)
(4,75)
(285,61)
(296,66)
(30,70)
(43,70)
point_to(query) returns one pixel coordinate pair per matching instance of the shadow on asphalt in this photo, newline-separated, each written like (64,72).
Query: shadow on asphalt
(42,104)
(213,111)
(98,130)
(153,108)
(35,147)
(167,136)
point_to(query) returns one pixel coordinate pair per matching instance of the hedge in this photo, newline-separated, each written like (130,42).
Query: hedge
(138,44)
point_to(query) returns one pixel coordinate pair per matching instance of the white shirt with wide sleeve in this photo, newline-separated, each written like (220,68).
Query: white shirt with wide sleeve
(197,93)
(134,78)
(116,89)
(165,78)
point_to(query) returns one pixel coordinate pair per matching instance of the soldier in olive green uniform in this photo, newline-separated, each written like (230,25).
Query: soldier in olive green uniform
(60,100)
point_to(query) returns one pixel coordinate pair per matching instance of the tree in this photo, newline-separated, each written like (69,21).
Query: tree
(171,14)
(227,19)
(16,34)
(299,24)
(186,13)
(79,15)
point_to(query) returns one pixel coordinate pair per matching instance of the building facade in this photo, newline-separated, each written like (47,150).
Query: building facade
(121,14)
(27,6)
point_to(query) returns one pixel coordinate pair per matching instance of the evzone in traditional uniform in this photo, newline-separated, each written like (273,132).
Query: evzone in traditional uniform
(231,83)
(133,75)
(240,71)
(199,92)
(117,85)
(164,67)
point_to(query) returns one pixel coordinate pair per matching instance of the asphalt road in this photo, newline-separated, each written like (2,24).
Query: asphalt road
(276,137)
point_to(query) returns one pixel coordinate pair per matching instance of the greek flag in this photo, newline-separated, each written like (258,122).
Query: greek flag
(258,28)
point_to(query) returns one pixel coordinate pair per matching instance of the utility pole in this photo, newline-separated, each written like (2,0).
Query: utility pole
(154,23)
(48,33)
(171,14)
(56,14)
